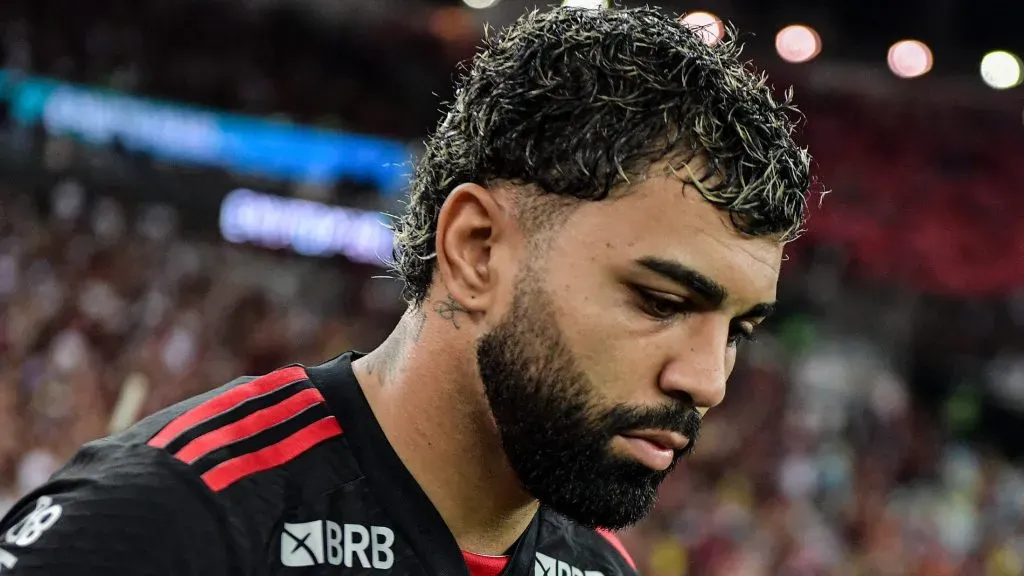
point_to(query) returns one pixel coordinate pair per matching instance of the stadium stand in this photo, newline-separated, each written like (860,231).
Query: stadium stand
(871,428)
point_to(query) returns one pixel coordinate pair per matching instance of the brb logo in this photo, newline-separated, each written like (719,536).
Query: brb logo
(326,542)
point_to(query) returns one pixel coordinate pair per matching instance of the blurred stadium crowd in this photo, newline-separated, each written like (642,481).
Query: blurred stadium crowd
(371,75)
(870,430)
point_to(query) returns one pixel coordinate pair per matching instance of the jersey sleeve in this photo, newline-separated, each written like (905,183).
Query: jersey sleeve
(129,510)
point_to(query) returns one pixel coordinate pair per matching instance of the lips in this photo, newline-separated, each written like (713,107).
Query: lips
(655,449)
(661,438)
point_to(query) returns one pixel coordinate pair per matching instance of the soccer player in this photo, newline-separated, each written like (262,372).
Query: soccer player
(594,226)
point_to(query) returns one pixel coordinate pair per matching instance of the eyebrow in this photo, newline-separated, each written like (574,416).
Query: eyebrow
(705,287)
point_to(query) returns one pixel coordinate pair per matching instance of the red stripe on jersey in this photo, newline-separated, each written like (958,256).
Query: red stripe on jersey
(480,565)
(617,544)
(249,426)
(226,401)
(230,471)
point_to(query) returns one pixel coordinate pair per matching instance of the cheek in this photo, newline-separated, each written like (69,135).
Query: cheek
(600,328)
(587,312)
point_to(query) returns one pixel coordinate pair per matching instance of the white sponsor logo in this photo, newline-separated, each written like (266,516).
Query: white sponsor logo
(326,542)
(7,560)
(28,530)
(31,527)
(547,566)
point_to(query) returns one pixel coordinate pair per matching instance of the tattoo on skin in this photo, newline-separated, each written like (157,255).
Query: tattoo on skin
(449,309)
(384,361)
(372,364)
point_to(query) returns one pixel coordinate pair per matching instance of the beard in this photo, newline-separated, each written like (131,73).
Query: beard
(553,428)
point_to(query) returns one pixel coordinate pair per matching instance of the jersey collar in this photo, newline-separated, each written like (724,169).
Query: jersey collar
(397,491)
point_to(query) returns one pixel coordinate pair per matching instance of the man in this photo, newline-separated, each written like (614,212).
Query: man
(594,226)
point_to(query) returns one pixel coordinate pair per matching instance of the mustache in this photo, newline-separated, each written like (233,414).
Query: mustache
(679,418)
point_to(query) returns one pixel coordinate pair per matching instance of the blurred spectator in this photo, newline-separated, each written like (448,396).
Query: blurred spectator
(280,62)
(89,302)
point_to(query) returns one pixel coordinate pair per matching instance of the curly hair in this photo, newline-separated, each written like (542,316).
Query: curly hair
(576,102)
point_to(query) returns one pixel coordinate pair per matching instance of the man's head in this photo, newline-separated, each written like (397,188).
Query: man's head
(605,205)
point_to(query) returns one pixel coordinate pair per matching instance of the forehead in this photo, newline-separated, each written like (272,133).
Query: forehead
(661,217)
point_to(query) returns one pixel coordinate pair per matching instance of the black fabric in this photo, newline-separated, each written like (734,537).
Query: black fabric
(346,505)
(262,439)
(400,495)
(237,413)
(128,510)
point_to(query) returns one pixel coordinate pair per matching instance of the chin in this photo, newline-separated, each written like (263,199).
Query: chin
(614,494)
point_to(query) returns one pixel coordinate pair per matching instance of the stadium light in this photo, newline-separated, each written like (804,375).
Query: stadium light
(593,4)
(797,43)
(480,4)
(1001,70)
(910,58)
(709,26)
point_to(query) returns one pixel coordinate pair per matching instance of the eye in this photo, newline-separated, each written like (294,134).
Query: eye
(739,334)
(662,307)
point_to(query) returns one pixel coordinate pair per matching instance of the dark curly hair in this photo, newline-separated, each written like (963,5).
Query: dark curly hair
(575,103)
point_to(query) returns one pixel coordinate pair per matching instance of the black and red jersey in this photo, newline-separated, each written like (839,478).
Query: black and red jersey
(284,474)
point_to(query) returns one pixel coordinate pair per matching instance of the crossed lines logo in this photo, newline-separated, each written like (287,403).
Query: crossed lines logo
(302,544)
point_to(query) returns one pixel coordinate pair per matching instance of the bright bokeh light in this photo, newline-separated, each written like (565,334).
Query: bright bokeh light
(910,58)
(709,26)
(452,24)
(1001,70)
(593,4)
(480,4)
(797,43)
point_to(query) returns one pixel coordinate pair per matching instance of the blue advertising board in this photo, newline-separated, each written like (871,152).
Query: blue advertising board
(190,134)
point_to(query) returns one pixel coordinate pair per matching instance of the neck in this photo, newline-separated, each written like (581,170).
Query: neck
(435,416)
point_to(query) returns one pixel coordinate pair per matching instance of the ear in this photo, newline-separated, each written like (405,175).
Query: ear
(471,222)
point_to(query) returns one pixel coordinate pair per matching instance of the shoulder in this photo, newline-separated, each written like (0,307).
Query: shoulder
(211,473)
(117,506)
(248,428)
(593,550)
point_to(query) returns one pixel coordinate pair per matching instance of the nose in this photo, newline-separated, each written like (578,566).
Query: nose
(700,366)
